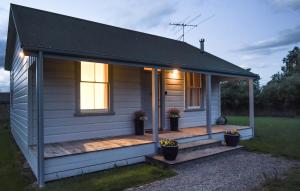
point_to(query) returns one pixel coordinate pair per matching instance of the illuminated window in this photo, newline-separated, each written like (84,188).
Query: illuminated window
(94,87)
(193,92)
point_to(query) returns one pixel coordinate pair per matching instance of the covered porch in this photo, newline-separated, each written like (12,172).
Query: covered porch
(98,142)
(184,135)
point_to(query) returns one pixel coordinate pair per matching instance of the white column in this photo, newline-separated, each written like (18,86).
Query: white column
(208,104)
(251,105)
(155,122)
(40,119)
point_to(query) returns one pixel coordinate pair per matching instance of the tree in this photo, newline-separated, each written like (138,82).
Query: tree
(282,93)
(235,97)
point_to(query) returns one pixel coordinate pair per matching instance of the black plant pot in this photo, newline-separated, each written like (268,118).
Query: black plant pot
(174,123)
(170,153)
(139,127)
(232,140)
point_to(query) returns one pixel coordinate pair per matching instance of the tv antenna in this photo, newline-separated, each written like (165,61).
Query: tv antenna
(183,25)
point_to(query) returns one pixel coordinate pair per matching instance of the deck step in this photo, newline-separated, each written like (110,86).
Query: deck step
(193,155)
(196,145)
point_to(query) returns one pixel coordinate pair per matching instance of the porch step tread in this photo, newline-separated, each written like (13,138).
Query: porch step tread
(193,155)
(192,144)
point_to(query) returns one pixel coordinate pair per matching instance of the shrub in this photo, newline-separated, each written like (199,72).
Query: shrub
(140,115)
(232,132)
(174,113)
(168,143)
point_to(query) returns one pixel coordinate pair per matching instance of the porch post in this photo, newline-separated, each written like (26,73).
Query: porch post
(251,105)
(40,119)
(208,104)
(155,107)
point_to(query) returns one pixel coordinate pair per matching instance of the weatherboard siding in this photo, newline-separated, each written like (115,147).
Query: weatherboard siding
(175,88)
(71,165)
(60,104)
(19,115)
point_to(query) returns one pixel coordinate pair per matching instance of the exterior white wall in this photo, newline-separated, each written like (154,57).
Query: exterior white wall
(60,104)
(61,124)
(175,88)
(19,115)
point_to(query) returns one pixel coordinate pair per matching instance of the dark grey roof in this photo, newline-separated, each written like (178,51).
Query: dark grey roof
(4,97)
(60,34)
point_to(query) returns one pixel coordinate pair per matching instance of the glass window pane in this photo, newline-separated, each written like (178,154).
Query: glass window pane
(87,71)
(190,74)
(190,98)
(196,95)
(86,95)
(101,72)
(101,96)
(193,81)
(197,80)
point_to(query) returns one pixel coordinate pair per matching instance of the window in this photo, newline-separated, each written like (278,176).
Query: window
(193,94)
(94,87)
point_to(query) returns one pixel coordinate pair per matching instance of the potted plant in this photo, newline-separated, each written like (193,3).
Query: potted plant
(222,120)
(232,137)
(139,118)
(169,148)
(174,115)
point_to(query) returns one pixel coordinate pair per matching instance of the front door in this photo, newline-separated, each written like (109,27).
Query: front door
(147,98)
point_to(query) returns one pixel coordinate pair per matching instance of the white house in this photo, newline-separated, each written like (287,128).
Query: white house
(75,85)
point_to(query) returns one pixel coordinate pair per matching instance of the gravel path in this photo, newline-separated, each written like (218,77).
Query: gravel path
(238,171)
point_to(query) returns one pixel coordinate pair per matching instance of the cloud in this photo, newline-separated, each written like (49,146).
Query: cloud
(275,44)
(4,80)
(156,16)
(2,52)
(3,22)
(4,75)
(286,4)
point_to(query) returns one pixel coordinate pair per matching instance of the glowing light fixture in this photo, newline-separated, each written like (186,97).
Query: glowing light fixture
(21,54)
(174,74)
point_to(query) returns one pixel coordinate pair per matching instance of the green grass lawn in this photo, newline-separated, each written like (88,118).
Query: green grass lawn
(13,178)
(277,136)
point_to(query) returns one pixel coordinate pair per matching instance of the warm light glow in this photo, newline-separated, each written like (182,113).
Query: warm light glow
(150,69)
(21,54)
(174,74)
(94,86)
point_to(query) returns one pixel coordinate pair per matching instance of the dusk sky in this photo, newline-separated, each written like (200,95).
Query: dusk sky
(254,34)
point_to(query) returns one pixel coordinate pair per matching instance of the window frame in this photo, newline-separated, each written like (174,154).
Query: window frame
(93,112)
(201,93)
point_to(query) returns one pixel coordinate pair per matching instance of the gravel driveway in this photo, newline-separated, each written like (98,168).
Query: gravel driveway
(238,171)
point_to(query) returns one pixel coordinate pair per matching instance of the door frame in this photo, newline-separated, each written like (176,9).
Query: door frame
(161,98)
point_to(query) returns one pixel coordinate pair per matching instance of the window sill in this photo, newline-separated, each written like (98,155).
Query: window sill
(83,114)
(194,110)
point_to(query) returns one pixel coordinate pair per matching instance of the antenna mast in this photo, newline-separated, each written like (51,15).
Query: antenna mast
(183,25)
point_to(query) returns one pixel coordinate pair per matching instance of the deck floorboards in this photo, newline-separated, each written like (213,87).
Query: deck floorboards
(83,146)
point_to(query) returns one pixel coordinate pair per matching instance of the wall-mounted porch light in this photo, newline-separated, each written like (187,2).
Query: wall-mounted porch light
(174,74)
(21,54)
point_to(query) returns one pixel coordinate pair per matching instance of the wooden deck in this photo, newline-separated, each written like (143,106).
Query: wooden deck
(92,145)
(77,147)
(197,131)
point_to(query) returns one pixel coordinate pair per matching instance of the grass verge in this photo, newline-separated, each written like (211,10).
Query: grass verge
(277,136)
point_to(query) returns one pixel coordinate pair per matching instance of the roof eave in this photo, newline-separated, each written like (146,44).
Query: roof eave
(72,55)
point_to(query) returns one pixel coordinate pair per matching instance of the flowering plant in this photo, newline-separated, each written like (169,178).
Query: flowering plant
(174,113)
(232,132)
(168,143)
(140,115)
